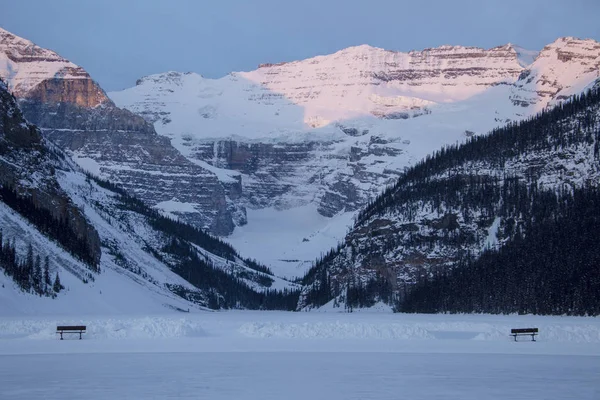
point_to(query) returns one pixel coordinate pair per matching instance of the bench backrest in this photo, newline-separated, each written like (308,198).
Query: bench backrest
(524,330)
(71,328)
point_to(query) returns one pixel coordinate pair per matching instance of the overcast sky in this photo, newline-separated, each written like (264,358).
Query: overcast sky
(118,41)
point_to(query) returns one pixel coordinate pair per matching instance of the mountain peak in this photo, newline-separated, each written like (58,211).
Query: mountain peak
(24,65)
(583,52)
(571,42)
(362,48)
(169,77)
(21,49)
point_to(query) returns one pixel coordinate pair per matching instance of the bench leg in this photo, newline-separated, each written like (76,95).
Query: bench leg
(79,335)
(533,338)
(61,336)
(515,337)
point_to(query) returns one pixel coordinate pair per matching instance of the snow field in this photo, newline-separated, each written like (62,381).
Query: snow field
(109,328)
(361,328)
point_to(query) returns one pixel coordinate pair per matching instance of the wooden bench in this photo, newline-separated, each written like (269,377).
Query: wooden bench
(524,331)
(70,329)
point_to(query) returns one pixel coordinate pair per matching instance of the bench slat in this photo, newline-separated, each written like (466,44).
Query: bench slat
(71,328)
(524,330)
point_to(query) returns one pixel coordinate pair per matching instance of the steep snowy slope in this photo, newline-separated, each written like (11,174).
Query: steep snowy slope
(118,255)
(315,140)
(114,291)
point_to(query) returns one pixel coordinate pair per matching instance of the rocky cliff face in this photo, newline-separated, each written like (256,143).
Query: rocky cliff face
(73,111)
(149,165)
(296,174)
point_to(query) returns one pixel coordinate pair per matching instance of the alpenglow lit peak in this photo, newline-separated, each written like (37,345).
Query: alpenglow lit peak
(24,66)
(363,80)
(351,83)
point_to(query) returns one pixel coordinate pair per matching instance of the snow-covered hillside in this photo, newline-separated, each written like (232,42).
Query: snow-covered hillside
(119,255)
(114,291)
(321,137)
(133,280)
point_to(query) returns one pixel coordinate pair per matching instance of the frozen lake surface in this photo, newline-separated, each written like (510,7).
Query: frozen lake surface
(270,355)
(298,375)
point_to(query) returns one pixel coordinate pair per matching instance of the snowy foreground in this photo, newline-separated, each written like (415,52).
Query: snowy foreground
(273,355)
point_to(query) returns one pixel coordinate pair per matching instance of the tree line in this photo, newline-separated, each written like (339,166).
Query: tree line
(222,289)
(552,266)
(28,272)
(58,229)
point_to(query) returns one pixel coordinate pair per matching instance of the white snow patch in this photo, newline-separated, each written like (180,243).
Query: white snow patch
(288,241)
(492,239)
(170,206)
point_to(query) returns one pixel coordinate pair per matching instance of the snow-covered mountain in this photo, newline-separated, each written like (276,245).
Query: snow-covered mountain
(312,141)
(112,253)
(280,159)
(74,112)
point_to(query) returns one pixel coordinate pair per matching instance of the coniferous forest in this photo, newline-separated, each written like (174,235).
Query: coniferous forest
(29,273)
(57,229)
(552,267)
(568,125)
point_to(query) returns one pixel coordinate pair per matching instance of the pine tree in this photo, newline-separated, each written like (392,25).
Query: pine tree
(37,275)
(57,287)
(47,280)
